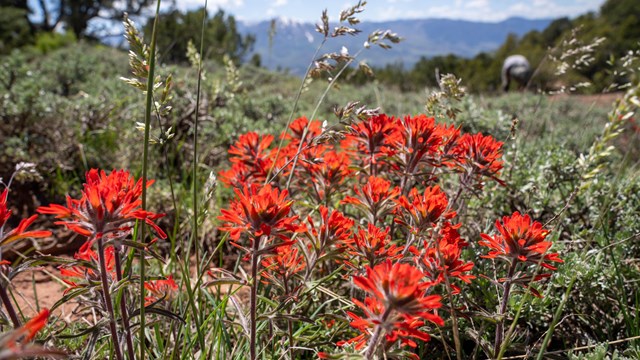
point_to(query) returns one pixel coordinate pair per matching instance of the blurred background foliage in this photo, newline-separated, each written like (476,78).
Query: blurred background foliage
(64,108)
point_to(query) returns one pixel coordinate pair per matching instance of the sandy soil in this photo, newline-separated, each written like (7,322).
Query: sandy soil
(47,291)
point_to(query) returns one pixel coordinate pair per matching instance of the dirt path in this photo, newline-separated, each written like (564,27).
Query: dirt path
(600,100)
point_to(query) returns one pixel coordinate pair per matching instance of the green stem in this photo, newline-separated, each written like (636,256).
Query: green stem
(107,299)
(145,166)
(289,322)
(503,308)
(123,309)
(195,144)
(452,311)
(254,296)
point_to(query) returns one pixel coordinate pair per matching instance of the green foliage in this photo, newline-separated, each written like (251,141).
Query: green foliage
(48,41)
(15,30)
(598,353)
(221,36)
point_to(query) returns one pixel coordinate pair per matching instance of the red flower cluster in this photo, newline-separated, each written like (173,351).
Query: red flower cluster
(259,211)
(479,156)
(330,173)
(418,142)
(520,239)
(397,304)
(371,246)
(332,235)
(375,198)
(285,263)
(251,160)
(296,131)
(422,212)
(373,138)
(109,204)
(442,256)
(20,232)
(395,164)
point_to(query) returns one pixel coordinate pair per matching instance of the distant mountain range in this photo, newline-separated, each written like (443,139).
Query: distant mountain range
(295,42)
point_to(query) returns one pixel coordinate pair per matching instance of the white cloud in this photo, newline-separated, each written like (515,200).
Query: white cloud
(379,10)
(477,4)
(195,4)
(393,13)
(487,10)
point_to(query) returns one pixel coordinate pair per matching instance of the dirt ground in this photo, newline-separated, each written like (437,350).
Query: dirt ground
(602,100)
(41,284)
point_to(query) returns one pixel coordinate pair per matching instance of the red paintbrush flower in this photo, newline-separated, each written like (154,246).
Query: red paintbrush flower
(309,159)
(250,148)
(397,305)
(373,310)
(447,150)
(285,263)
(35,324)
(237,176)
(260,210)
(250,158)
(442,256)
(26,332)
(400,327)
(328,238)
(296,130)
(334,229)
(520,239)
(20,232)
(108,206)
(17,343)
(480,156)
(399,286)
(373,245)
(418,142)
(160,289)
(374,138)
(330,173)
(376,198)
(422,212)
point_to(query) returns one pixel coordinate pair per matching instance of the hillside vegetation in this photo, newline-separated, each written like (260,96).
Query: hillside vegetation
(207,209)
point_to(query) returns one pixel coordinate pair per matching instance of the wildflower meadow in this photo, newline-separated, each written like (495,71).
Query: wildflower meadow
(219,211)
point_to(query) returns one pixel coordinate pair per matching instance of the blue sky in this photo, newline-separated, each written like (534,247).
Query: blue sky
(379,10)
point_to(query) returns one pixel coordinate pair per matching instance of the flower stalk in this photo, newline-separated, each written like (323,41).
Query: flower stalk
(255,255)
(107,299)
(373,342)
(123,308)
(145,166)
(503,308)
(9,307)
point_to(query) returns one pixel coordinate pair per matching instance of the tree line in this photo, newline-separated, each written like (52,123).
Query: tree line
(46,24)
